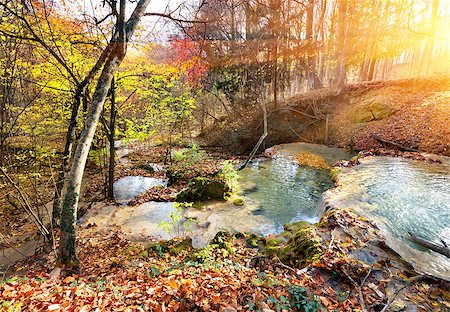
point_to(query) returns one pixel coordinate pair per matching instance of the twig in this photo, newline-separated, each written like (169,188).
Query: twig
(285,266)
(261,139)
(359,288)
(292,129)
(393,298)
(330,245)
(6,271)
(44,231)
(21,253)
(402,147)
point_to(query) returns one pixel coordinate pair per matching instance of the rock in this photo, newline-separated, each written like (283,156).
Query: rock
(55,273)
(296,226)
(334,173)
(304,247)
(202,189)
(238,201)
(372,111)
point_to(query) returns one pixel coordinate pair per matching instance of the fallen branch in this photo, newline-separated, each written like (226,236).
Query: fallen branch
(26,204)
(402,147)
(388,304)
(359,288)
(261,139)
(443,250)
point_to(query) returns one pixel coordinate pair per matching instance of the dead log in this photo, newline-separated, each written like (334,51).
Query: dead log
(400,146)
(443,250)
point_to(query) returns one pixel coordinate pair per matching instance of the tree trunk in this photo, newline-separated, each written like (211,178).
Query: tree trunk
(341,73)
(370,75)
(313,80)
(112,124)
(67,249)
(429,47)
(70,138)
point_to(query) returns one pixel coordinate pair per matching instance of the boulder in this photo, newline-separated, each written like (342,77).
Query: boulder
(304,247)
(372,111)
(201,189)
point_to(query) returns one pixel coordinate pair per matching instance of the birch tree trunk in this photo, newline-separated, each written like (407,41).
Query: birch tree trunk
(67,251)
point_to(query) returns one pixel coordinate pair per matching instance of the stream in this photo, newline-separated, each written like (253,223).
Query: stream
(397,194)
(401,195)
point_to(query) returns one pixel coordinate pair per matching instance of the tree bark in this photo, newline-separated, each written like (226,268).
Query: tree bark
(112,124)
(313,80)
(340,69)
(67,252)
(70,138)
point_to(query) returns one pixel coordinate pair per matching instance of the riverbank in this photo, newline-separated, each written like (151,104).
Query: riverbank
(352,267)
(410,114)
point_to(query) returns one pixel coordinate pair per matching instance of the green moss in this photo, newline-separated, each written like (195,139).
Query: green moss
(252,240)
(172,247)
(238,201)
(302,248)
(334,173)
(202,189)
(296,226)
(143,254)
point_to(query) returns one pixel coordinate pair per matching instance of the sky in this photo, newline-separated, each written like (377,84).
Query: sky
(154,29)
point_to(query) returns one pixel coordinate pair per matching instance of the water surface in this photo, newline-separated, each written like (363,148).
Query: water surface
(402,196)
(128,188)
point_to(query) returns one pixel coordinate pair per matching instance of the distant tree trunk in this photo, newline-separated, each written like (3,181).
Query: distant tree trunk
(67,251)
(429,47)
(313,79)
(370,75)
(341,74)
(112,126)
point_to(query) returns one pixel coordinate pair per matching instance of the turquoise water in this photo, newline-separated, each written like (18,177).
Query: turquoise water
(405,196)
(400,196)
(285,192)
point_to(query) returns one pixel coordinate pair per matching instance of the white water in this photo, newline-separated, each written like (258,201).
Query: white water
(128,188)
(401,196)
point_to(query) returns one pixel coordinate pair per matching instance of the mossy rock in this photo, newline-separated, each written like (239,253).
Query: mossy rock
(296,226)
(253,241)
(145,166)
(202,189)
(172,247)
(334,173)
(304,247)
(238,201)
(372,111)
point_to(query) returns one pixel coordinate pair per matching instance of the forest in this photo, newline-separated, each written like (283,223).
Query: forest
(225,155)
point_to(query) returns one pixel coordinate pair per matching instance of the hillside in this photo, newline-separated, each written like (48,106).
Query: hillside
(413,113)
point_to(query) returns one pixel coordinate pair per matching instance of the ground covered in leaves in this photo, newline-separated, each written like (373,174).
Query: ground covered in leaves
(233,273)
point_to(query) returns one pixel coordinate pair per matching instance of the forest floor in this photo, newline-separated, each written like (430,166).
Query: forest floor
(355,271)
(231,274)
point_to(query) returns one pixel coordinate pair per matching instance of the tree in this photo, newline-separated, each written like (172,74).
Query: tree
(123,31)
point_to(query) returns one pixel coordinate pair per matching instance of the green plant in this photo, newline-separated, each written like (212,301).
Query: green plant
(302,300)
(177,223)
(230,174)
(205,254)
(189,155)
